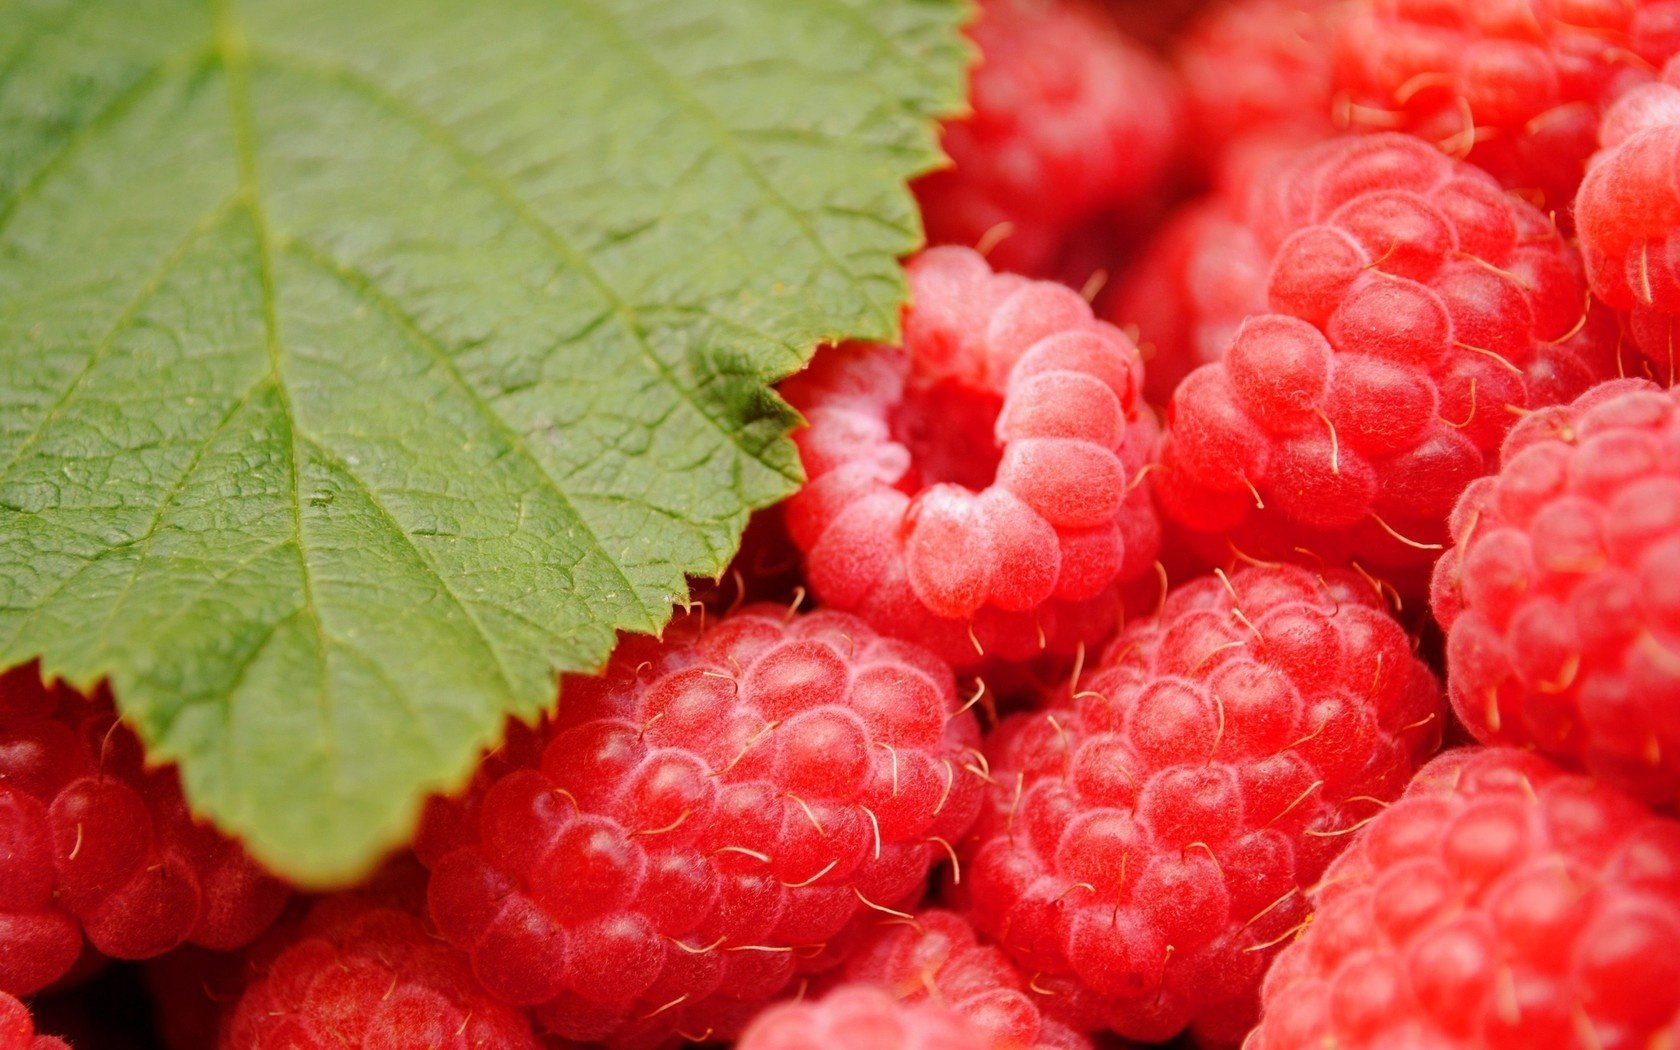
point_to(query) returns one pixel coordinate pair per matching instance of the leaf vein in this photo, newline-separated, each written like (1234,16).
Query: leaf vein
(154,282)
(232,54)
(725,137)
(364,286)
(477,169)
(119,105)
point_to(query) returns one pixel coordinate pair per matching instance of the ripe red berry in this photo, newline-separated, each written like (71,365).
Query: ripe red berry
(94,846)
(1147,837)
(1628,217)
(17,1028)
(973,491)
(1256,68)
(937,958)
(360,972)
(1195,282)
(1070,119)
(1563,625)
(704,823)
(1501,903)
(1415,309)
(1514,87)
(193,991)
(860,1017)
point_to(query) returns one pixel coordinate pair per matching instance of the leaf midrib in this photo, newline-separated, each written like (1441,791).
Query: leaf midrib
(230,51)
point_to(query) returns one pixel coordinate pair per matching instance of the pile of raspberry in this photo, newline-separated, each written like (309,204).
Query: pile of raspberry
(1072,122)
(1091,688)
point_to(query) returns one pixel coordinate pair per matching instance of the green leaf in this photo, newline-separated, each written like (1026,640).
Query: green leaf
(364,364)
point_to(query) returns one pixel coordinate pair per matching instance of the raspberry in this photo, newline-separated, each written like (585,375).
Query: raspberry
(936,957)
(704,823)
(1148,836)
(192,990)
(859,1018)
(1197,279)
(1070,119)
(1257,68)
(1628,216)
(360,972)
(972,491)
(1563,628)
(95,846)
(1153,23)
(17,1028)
(1514,87)
(1500,903)
(1415,310)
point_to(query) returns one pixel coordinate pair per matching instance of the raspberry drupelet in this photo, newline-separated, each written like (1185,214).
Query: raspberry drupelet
(1256,68)
(1514,87)
(1501,903)
(365,973)
(1203,269)
(1415,310)
(1559,597)
(1070,120)
(936,957)
(704,823)
(17,1028)
(1147,837)
(860,1017)
(97,850)
(1627,216)
(976,490)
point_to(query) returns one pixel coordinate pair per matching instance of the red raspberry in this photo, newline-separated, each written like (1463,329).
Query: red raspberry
(972,491)
(1559,602)
(1203,271)
(703,822)
(1416,310)
(1500,903)
(1147,837)
(936,957)
(192,990)
(17,1028)
(1515,86)
(1198,278)
(360,972)
(1628,216)
(1153,23)
(94,844)
(1257,68)
(1070,119)
(860,1018)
